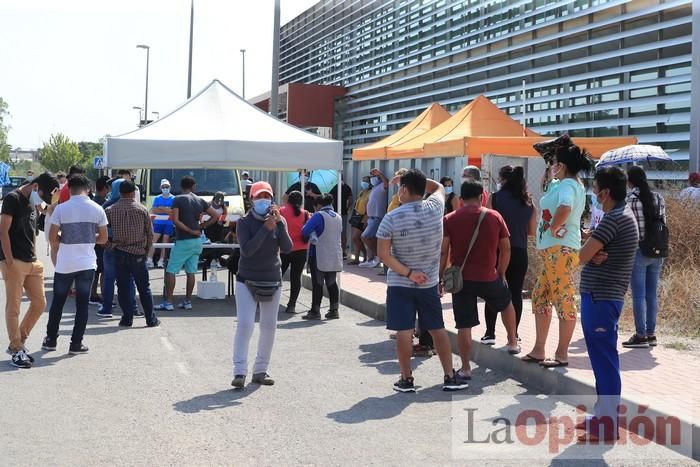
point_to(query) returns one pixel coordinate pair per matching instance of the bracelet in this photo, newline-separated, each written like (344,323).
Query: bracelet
(410,271)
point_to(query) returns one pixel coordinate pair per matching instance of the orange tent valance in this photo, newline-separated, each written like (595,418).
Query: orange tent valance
(431,117)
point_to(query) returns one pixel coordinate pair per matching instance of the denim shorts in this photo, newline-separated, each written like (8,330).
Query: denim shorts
(402,303)
(185,254)
(372,227)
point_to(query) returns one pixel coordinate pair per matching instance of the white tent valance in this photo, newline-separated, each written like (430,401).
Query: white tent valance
(218,129)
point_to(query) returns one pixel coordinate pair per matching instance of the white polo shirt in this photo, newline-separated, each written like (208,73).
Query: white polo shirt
(78,219)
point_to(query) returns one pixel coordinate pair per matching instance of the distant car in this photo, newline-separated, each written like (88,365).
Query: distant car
(15,182)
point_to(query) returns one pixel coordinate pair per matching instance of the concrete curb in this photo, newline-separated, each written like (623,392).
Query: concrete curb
(547,381)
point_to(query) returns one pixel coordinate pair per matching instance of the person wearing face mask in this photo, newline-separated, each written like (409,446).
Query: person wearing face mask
(608,257)
(311,190)
(186,212)
(451,200)
(376,209)
(559,240)
(162,227)
(262,236)
(472,173)
(18,262)
(358,221)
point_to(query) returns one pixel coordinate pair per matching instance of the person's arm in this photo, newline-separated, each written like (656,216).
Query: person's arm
(503,256)
(456,203)
(489,202)
(283,238)
(5,223)
(589,250)
(213,217)
(593,250)
(444,256)
(148,231)
(384,253)
(532,225)
(250,242)
(180,225)
(314,225)
(561,215)
(378,173)
(101,238)
(54,241)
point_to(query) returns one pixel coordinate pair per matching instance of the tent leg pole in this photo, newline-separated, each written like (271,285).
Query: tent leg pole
(342,221)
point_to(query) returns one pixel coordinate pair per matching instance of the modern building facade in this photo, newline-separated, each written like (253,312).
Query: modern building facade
(589,67)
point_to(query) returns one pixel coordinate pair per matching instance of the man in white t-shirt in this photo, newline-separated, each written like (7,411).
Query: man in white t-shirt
(76,226)
(692,193)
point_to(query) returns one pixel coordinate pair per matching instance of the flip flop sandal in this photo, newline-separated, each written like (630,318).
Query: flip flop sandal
(530,359)
(553,363)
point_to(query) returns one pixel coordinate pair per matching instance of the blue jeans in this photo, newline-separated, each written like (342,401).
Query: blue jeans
(645,282)
(61,288)
(110,276)
(599,320)
(130,269)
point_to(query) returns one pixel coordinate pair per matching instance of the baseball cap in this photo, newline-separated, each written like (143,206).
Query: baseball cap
(694,177)
(260,187)
(164,182)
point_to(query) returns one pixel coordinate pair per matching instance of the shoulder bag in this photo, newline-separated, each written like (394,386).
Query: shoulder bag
(452,280)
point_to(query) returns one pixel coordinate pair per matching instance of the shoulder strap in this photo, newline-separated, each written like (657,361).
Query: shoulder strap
(482,214)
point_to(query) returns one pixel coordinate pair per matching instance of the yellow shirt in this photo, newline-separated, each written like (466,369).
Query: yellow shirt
(394,203)
(361,203)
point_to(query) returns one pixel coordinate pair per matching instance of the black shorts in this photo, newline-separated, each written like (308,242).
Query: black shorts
(496,295)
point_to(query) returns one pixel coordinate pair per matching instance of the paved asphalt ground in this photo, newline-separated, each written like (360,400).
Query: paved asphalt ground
(163,397)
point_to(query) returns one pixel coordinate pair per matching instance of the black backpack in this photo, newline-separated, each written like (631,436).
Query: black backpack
(655,243)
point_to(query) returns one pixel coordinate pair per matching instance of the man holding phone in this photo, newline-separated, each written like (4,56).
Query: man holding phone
(187,209)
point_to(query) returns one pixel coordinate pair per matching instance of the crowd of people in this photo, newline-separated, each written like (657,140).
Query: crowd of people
(431,237)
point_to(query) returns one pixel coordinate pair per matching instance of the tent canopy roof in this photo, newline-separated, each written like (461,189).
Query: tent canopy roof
(480,117)
(431,117)
(218,129)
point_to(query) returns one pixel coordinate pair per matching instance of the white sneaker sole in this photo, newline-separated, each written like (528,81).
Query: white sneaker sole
(455,387)
(404,390)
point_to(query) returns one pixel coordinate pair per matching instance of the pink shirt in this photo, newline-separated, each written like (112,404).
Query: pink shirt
(294,226)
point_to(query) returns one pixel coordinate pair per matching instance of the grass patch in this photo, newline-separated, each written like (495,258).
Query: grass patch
(682,346)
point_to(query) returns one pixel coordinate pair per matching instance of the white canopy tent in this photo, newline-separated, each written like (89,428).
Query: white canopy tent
(219,130)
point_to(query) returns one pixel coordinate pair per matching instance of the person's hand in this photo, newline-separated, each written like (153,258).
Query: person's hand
(505,281)
(441,289)
(9,262)
(273,219)
(418,277)
(600,257)
(396,180)
(375,172)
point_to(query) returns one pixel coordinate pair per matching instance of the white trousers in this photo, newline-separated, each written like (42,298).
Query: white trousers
(246,306)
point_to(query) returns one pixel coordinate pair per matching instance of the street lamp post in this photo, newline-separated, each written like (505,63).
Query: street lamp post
(148,56)
(243,59)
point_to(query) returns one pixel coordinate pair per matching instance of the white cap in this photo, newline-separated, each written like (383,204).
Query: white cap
(245,173)
(164,182)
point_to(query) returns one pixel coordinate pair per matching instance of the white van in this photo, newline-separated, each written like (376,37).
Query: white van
(209,181)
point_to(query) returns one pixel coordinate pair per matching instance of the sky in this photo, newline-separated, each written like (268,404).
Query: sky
(72,66)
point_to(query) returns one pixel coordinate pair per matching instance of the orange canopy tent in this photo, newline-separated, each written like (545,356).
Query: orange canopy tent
(478,118)
(431,117)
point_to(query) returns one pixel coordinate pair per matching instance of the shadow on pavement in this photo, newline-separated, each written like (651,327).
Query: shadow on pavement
(218,400)
(372,323)
(382,356)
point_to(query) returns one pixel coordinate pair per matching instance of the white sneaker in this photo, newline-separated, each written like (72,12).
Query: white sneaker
(149,263)
(161,264)
(370,263)
(374,263)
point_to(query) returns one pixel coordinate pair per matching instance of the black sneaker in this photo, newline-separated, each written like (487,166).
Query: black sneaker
(238,381)
(405,385)
(21,360)
(102,313)
(78,350)
(312,315)
(123,324)
(48,344)
(154,325)
(652,341)
(263,379)
(332,314)
(636,342)
(138,313)
(488,340)
(455,382)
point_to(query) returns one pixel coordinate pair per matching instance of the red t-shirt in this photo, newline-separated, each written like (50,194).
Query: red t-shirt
(64,194)
(294,226)
(459,226)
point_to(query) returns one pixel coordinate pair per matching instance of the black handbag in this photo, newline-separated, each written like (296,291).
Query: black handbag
(263,291)
(356,220)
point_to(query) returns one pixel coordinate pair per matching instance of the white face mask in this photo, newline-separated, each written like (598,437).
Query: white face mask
(35,198)
(499,186)
(375,181)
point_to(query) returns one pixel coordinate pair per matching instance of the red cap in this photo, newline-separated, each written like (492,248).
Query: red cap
(260,187)
(694,177)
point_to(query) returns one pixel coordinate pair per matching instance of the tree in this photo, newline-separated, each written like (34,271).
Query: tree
(4,128)
(59,153)
(90,150)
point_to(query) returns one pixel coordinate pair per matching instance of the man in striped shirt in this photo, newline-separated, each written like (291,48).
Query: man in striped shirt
(608,258)
(81,224)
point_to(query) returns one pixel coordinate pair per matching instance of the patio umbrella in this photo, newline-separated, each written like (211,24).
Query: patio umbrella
(634,153)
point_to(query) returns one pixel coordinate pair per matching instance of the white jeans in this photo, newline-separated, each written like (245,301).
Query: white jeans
(246,306)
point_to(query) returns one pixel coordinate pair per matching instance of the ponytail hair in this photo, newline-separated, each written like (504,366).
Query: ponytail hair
(514,182)
(638,179)
(295,200)
(575,159)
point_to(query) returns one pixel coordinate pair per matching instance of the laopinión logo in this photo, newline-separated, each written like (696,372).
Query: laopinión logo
(548,427)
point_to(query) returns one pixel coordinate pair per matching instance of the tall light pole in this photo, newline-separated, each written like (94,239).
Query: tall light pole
(274,91)
(148,57)
(189,68)
(243,59)
(136,107)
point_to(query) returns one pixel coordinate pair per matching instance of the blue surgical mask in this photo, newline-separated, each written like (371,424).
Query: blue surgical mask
(262,206)
(166,191)
(449,190)
(364,185)
(375,181)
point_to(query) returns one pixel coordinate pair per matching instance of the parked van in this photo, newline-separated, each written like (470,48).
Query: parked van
(209,181)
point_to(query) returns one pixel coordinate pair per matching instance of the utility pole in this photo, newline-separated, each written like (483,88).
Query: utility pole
(274,88)
(243,59)
(189,68)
